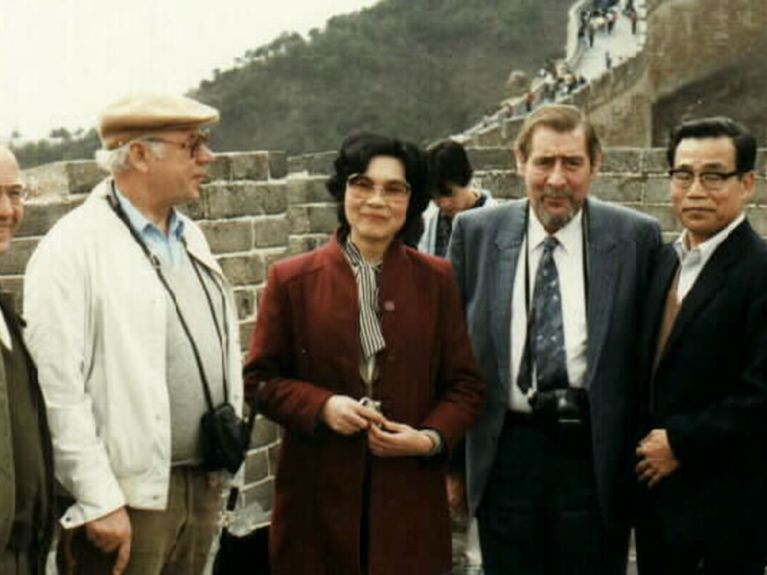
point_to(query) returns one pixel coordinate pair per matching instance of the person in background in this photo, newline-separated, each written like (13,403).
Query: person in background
(26,461)
(129,319)
(361,353)
(450,175)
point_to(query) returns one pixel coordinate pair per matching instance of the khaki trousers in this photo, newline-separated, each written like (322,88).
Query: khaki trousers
(176,541)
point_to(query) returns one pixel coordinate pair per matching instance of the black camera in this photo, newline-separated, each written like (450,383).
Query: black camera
(568,406)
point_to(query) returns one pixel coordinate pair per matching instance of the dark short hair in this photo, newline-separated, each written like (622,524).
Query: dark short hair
(562,119)
(448,164)
(354,157)
(716,127)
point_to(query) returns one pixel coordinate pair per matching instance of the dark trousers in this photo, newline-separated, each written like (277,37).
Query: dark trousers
(655,556)
(539,513)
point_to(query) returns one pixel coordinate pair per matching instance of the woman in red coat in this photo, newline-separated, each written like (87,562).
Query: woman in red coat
(361,353)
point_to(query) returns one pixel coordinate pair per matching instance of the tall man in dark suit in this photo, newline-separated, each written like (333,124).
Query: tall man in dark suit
(552,288)
(703,459)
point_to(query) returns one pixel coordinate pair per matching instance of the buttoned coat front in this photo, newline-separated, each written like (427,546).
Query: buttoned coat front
(306,347)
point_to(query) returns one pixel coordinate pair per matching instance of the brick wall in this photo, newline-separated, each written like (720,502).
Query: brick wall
(262,206)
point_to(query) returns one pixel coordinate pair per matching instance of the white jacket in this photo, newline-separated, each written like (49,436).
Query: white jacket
(96,327)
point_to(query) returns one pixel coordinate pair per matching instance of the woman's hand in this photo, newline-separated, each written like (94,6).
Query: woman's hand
(398,440)
(347,416)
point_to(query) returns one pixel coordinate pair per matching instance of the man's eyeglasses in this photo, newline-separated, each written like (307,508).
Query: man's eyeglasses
(16,194)
(194,144)
(710,180)
(392,190)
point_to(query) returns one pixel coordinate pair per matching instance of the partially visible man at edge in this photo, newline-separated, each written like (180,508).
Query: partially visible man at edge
(26,462)
(129,316)
(704,456)
(550,460)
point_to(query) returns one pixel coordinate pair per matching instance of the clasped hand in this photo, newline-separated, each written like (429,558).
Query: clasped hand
(656,458)
(386,438)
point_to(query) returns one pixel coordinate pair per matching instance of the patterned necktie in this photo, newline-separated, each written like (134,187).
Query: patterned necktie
(545,330)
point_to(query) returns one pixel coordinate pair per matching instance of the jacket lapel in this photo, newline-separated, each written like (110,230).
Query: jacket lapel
(709,282)
(603,275)
(507,243)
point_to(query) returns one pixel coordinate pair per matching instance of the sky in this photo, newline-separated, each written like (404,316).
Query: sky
(61,61)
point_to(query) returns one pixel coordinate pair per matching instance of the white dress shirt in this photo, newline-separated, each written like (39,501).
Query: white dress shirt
(692,261)
(568,258)
(5,334)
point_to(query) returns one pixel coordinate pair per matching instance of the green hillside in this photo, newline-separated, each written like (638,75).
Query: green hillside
(420,69)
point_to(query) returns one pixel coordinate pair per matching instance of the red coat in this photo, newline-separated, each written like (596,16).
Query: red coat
(306,347)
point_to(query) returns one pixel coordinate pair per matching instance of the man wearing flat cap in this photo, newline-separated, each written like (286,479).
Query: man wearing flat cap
(130,320)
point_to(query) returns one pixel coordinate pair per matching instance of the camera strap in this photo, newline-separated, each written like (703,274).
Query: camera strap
(155,263)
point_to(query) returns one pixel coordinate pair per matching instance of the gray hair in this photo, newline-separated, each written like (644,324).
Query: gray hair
(116,160)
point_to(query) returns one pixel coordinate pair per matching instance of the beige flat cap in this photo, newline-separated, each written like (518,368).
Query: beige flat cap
(133,116)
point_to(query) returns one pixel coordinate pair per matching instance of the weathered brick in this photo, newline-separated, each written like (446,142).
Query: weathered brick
(229,236)
(654,161)
(243,269)
(622,161)
(298,244)
(246,334)
(307,190)
(250,165)
(501,184)
(261,494)
(495,158)
(15,260)
(270,231)
(264,432)
(64,178)
(221,169)
(274,458)
(256,466)
(760,194)
(39,216)
(615,188)
(195,210)
(278,165)
(312,218)
(664,215)
(243,199)
(758,219)
(656,190)
(245,300)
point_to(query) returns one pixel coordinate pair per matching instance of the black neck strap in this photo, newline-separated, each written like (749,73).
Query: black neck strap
(154,261)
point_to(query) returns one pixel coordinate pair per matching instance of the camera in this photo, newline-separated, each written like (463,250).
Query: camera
(568,406)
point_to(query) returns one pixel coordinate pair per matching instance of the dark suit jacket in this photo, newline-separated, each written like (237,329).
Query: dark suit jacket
(306,347)
(710,394)
(44,533)
(485,248)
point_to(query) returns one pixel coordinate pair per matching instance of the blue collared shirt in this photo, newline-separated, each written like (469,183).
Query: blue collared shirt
(169,248)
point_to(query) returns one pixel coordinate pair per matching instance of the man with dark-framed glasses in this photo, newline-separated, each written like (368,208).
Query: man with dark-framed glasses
(701,462)
(135,333)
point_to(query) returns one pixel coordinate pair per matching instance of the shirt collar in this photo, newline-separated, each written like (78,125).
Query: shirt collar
(142,224)
(568,236)
(704,250)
